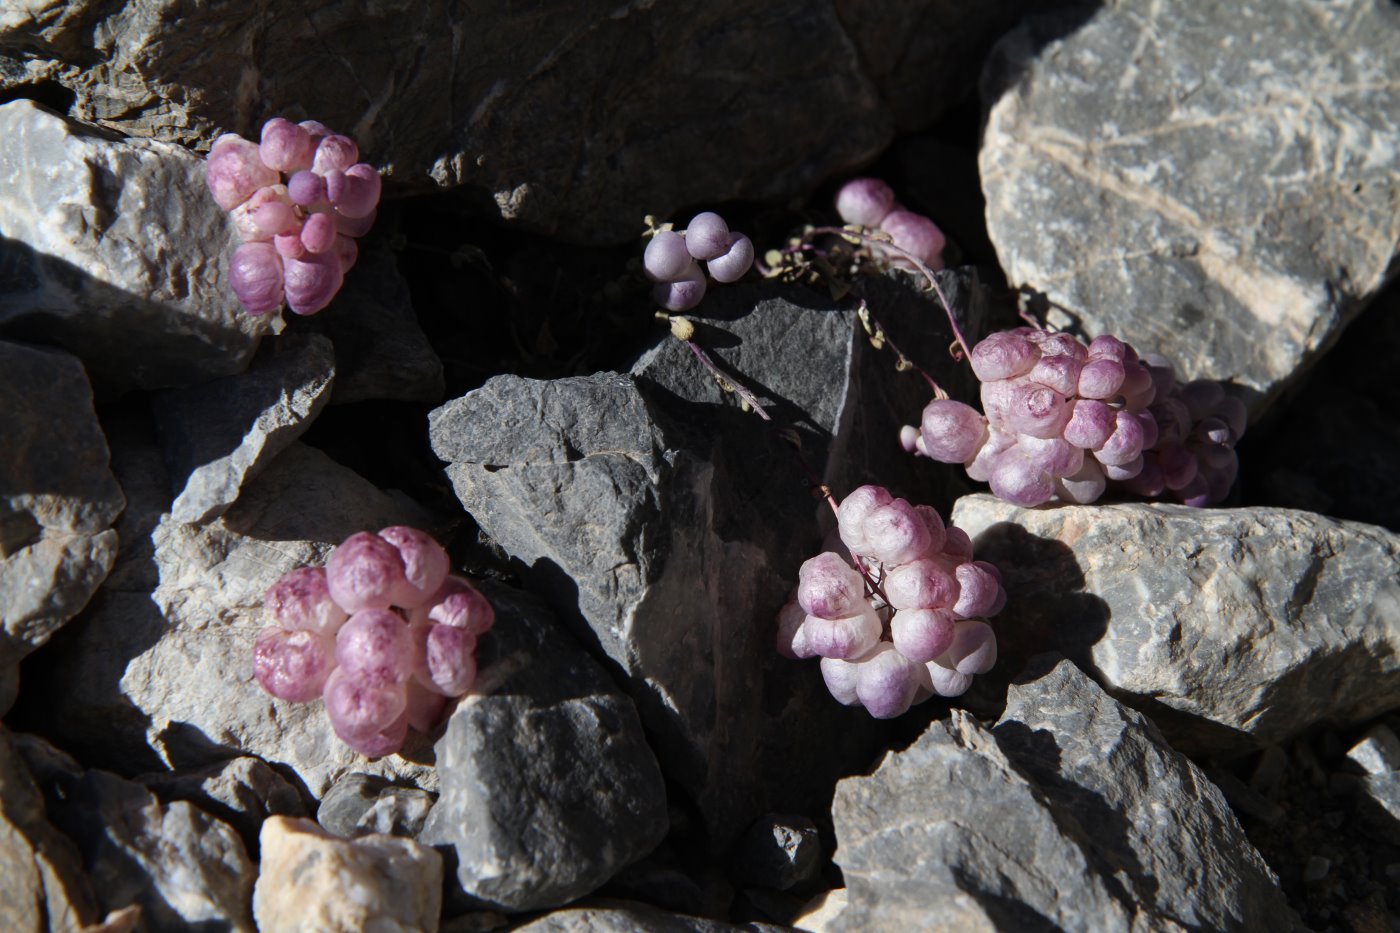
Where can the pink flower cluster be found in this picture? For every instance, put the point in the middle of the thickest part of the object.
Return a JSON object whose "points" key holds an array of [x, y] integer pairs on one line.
{"points": [[298, 231], [910, 625], [382, 633], [870, 203]]}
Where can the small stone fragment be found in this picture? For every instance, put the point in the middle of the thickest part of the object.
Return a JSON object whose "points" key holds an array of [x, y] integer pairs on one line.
{"points": [[1378, 752], [311, 880], [779, 852]]}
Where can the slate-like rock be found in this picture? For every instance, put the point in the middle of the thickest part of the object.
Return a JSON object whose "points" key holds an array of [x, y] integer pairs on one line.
{"points": [[41, 872], [655, 105], [779, 852], [674, 523], [548, 786], [216, 436], [1071, 813], [311, 880], [1214, 182], [58, 497], [1234, 629], [625, 917], [114, 249], [243, 793], [360, 804], [380, 351], [1378, 754], [181, 866], [163, 679]]}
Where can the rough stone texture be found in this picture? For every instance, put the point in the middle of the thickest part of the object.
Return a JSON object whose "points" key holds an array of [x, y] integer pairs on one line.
{"points": [[1071, 813], [311, 880], [661, 105], [674, 523], [779, 852], [57, 501], [625, 917], [182, 867], [163, 679], [1215, 182], [548, 786], [359, 804], [41, 873], [114, 249], [243, 793], [1378, 754], [1233, 629], [380, 351], [217, 436]]}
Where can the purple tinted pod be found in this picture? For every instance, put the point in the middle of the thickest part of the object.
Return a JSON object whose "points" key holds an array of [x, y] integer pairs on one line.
{"points": [[850, 516], [737, 260], [285, 146], [707, 236], [301, 599], [364, 572], [425, 564], [830, 588], [234, 171], [916, 235], [681, 294], [952, 431], [312, 281], [864, 201], [378, 643], [359, 705], [256, 275], [335, 153], [292, 665], [1003, 355], [922, 634]]}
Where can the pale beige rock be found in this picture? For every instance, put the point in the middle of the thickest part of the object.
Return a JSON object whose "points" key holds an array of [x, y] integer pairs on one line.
{"points": [[312, 880]]}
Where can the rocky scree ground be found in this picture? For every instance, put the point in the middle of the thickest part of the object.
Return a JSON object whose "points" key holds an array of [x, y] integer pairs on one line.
{"points": [[1194, 719]]}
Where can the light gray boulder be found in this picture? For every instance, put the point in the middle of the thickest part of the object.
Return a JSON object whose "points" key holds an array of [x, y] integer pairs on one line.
{"points": [[1071, 813], [1214, 182], [242, 792], [115, 250], [1232, 628]]}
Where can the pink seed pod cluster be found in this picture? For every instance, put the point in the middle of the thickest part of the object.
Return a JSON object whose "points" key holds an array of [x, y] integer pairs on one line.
{"points": [[298, 199], [1062, 419], [382, 633], [672, 260], [919, 632], [870, 203]]}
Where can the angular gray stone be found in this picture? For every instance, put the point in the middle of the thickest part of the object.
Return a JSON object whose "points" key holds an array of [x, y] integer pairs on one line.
{"points": [[41, 873], [216, 436], [548, 786], [627, 917], [58, 497], [114, 249], [243, 793], [1072, 813], [1378, 754], [779, 852], [380, 351], [1234, 629], [666, 105], [163, 679], [674, 523], [181, 866], [1378, 751], [1215, 182], [360, 804]]}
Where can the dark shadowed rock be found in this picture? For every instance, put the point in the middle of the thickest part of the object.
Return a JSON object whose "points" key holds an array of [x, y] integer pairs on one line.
{"points": [[674, 523], [114, 249], [779, 852], [243, 793], [548, 787], [1072, 813], [1233, 629], [651, 106], [360, 804], [58, 498], [1214, 182], [218, 435]]}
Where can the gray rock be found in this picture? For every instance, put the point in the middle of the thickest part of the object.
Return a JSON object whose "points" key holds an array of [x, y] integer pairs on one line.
{"points": [[41, 873], [114, 249], [674, 523], [183, 867], [380, 351], [1378, 751], [779, 852], [1234, 629], [1214, 182], [548, 786], [162, 679], [243, 792], [1072, 813], [359, 804], [216, 436], [1378, 754], [684, 104], [627, 917], [58, 498]]}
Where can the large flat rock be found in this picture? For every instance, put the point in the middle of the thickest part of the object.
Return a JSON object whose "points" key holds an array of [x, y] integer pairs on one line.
{"points": [[1214, 181]]}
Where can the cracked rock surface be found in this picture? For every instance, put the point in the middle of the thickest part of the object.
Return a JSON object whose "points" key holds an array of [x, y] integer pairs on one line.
{"points": [[1214, 182], [1232, 628]]}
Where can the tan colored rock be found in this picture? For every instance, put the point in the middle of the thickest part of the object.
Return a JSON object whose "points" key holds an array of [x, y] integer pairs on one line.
{"points": [[311, 880]]}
